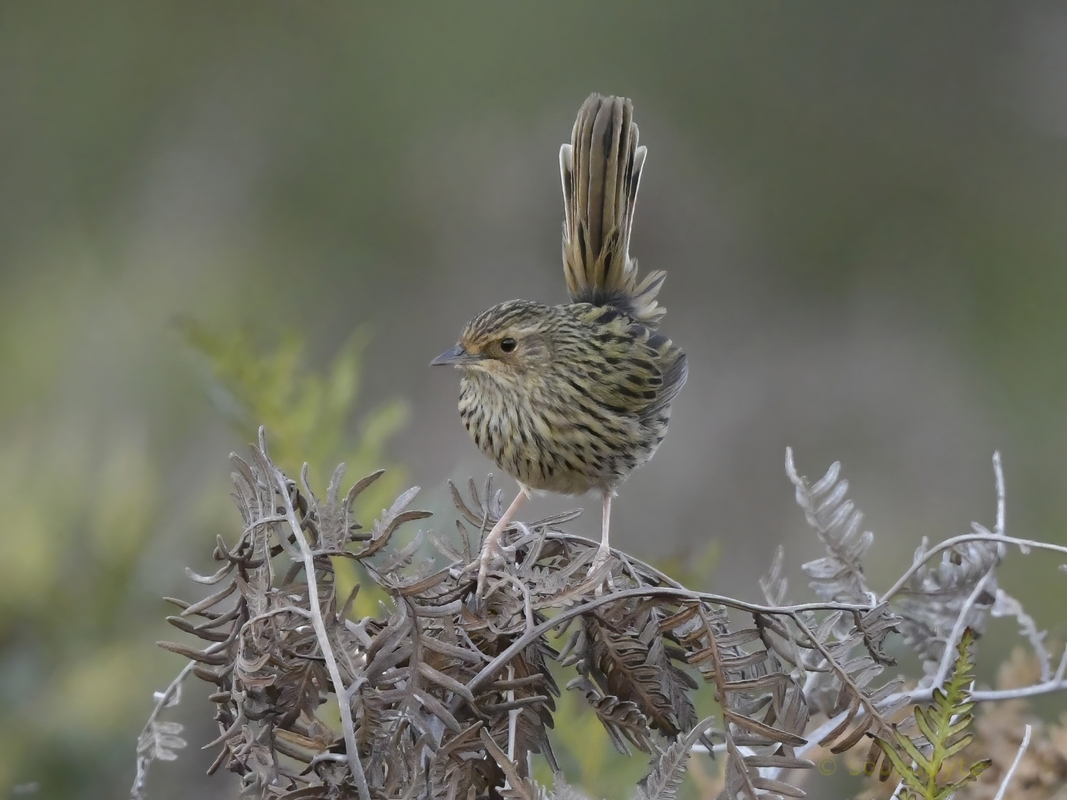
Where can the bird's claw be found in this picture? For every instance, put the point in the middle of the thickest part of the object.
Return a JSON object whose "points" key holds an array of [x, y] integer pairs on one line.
{"points": [[599, 561], [494, 551], [600, 570]]}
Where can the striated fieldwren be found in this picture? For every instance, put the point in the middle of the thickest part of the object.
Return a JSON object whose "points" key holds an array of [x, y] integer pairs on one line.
{"points": [[575, 397]]}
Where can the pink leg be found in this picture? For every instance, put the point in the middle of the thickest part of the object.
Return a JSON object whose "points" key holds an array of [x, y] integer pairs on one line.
{"points": [[491, 548], [605, 549]]}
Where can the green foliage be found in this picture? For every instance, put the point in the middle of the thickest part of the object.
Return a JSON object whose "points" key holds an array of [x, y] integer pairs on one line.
{"points": [[308, 415], [944, 724], [69, 635]]}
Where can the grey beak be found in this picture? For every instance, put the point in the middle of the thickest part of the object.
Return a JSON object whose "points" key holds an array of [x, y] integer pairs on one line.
{"points": [[455, 357]]}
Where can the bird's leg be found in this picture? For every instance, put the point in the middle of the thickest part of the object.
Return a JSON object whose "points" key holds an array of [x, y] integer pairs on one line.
{"points": [[491, 547], [605, 522]]}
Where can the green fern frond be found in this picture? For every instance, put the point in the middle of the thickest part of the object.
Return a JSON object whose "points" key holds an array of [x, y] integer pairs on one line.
{"points": [[307, 414], [944, 725]]}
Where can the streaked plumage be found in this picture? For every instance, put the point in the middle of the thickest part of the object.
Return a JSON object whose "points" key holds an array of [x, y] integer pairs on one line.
{"points": [[582, 401], [575, 397]]}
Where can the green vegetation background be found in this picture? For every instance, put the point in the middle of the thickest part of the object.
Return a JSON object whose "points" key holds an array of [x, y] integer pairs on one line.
{"points": [[217, 215]]}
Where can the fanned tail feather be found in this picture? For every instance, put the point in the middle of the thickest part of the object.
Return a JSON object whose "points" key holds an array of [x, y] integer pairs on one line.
{"points": [[601, 172]]}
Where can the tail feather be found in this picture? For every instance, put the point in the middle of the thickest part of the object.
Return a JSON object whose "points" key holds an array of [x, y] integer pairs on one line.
{"points": [[601, 171]]}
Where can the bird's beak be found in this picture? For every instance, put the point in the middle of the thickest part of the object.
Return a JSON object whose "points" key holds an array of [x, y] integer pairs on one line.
{"points": [[455, 357]]}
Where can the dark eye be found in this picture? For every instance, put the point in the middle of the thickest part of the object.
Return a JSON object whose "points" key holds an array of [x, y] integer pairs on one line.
{"points": [[508, 345]]}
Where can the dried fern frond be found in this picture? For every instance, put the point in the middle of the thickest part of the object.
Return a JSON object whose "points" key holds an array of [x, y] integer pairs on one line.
{"points": [[959, 589], [836, 521], [936, 599], [445, 693], [668, 768]]}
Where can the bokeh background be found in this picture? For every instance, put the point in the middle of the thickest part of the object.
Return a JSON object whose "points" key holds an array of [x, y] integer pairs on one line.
{"points": [[862, 208]]}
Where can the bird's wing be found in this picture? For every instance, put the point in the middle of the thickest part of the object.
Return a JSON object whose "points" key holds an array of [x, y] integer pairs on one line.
{"points": [[636, 371]]}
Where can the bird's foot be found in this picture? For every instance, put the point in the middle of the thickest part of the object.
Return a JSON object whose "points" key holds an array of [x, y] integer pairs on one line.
{"points": [[494, 552], [599, 574], [600, 562]]}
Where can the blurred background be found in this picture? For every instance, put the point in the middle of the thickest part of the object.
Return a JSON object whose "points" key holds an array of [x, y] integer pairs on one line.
{"points": [[862, 209]]}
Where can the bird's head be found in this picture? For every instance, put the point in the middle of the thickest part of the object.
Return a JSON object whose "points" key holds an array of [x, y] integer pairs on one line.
{"points": [[506, 342]]}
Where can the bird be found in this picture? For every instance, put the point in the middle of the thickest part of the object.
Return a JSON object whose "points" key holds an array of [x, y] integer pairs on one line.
{"points": [[573, 398]]}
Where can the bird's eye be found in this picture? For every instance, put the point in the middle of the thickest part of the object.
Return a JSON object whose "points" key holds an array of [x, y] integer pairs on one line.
{"points": [[508, 345]]}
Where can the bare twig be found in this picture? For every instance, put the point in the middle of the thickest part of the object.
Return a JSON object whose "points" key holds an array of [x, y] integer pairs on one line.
{"points": [[980, 536], [1014, 764]]}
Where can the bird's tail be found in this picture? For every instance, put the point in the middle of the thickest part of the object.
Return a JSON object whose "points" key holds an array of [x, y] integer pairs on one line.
{"points": [[601, 170]]}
